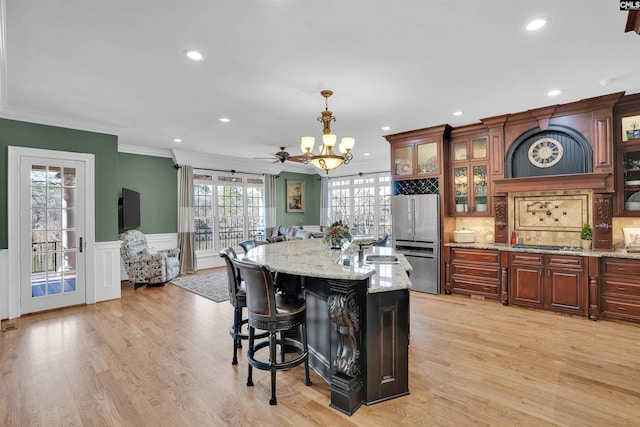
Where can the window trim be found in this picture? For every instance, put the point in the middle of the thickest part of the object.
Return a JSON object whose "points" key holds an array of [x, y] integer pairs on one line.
{"points": [[244, 183]]}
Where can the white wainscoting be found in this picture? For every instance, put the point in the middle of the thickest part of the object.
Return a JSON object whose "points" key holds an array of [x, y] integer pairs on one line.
{"points": [[107, 271], [212, 259], [157, 241], [4, 284]]}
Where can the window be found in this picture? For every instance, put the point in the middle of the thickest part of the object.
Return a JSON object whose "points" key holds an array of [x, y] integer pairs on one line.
{"points": [[363, 202], [227, 209]]}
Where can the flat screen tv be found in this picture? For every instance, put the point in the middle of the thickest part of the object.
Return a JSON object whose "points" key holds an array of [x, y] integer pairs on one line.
{"points": [[130, 209]]}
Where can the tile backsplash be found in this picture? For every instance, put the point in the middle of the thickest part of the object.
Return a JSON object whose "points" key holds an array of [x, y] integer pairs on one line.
{"points": [[550, 218], [562, 219]]}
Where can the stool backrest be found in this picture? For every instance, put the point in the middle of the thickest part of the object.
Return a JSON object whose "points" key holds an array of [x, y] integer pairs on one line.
{"points": [[233, 274], [261, 296]]}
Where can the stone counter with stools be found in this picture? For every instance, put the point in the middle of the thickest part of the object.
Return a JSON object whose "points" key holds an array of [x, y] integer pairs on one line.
{"points": [[357, 319]]}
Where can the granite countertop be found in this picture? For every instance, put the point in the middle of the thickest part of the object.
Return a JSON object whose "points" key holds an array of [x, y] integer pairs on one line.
{"points": [[312, 258], [577, 252]]}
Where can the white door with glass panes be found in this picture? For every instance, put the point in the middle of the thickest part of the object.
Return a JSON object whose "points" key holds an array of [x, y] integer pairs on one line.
{"points": [[52, 256]]}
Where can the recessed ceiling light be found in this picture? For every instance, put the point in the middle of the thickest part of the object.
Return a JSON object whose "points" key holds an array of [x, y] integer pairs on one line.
{"points": [[457, 113], [177, 140], [194, 55], [386, 128], [366, 154], [554, 92], [224, 119], [536, 24]]}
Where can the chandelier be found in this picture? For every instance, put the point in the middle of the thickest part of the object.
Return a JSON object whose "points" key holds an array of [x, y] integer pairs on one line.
{"points": [[326, 159]]}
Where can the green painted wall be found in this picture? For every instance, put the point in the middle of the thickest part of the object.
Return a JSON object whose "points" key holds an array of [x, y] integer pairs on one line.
{"points": [[312, 187], [105, 149], [156, 179]]}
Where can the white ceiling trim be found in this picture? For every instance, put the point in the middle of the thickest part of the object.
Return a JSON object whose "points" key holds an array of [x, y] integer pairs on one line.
{"points": [[145, 151], [44, 119]]}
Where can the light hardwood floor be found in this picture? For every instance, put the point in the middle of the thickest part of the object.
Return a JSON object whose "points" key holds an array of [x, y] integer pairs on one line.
{"points": [[161, 357]]}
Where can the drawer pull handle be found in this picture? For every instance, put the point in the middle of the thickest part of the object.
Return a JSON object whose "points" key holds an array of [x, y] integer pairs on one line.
{"points": [[486, 273], [486, 289], [462, 270], [487, 258], [621, 309], [621, 269], [462, 286], [622, 289]]}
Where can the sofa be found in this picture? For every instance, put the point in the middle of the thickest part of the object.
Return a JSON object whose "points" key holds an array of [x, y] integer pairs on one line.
{"points": [[292, 232]]}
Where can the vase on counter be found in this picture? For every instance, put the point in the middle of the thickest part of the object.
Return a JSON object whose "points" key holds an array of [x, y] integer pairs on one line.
{"points": [[586, 244], [335, 234]]}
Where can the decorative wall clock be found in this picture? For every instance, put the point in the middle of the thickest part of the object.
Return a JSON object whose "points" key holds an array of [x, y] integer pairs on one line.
{"points": [[545, 152]]}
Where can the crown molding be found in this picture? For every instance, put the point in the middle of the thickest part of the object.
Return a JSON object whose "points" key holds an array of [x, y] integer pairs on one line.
{"points": [[45, 119], [145, 151]]}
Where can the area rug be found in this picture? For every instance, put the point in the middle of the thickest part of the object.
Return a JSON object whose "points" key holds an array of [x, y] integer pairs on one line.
{"points": [[213, 286]]}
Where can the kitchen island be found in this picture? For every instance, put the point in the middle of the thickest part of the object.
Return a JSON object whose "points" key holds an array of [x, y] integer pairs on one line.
{"points": [[357, 318]]}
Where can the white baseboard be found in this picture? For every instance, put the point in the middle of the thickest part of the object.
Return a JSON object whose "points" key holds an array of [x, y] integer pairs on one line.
{"points": [[4, 284], [209, 260]]}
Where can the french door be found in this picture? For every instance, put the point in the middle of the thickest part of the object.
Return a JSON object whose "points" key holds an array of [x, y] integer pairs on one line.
{"points": [[52, 224]]}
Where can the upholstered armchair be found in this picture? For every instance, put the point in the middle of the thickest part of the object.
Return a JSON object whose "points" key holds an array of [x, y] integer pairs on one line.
{"points": [[145, 265]]}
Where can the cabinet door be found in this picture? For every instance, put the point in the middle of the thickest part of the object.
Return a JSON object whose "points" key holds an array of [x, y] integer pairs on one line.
{"points": [[479, 148], [461, 188], [566, 290], [427, 158], [526, 286], [460, 150], [631, 181], [403, 161], [480, 188]]}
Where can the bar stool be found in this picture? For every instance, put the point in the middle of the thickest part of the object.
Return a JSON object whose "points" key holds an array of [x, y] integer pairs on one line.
{"points": [[274, 313], [238, 299]]}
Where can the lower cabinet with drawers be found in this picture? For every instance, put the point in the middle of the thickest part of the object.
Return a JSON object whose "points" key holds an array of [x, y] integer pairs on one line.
{"points": [[551, 282], [620, 289], [596, 287], [475, 272]]}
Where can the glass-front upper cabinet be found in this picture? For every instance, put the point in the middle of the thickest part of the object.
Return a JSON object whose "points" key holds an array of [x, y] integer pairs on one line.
{"points": [[627, 137], [461, 185], [428, 158], [471, 189], [415, 159], [403, 161], [469, 153], [480, 188], [470, 149], [631, 180]]}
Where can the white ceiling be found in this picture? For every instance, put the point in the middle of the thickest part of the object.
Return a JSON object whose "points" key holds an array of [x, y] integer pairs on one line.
{"points": [[118, 67]]}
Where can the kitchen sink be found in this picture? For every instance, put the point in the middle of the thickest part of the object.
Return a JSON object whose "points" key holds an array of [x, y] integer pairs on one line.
{"points": [[380, 259]]}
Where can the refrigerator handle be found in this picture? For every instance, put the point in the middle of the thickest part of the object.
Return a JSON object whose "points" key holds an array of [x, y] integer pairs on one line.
{"points": [[413, 218]]}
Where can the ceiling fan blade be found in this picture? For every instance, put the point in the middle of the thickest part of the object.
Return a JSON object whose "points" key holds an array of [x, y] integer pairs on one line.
{"points": [[298, 159]]}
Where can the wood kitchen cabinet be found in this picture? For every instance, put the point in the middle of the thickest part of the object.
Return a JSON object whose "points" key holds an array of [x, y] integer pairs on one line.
{"points": [[475, 272], [470, 171], [621, 289], [551, 282], [627, 140], [418, 153]]}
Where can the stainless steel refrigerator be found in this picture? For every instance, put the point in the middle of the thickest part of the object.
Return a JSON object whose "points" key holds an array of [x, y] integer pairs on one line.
{"points": [[416, 235]]}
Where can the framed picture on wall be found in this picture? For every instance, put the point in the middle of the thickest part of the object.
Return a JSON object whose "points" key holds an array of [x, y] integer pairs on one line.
{"points": [[295, 196]]}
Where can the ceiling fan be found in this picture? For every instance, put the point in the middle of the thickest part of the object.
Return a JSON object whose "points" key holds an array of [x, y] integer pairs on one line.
{"points": [[282, 155]]}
